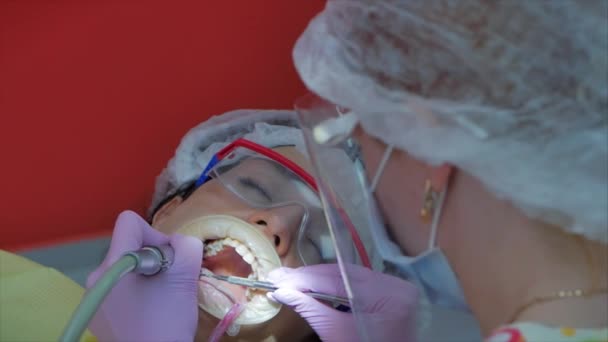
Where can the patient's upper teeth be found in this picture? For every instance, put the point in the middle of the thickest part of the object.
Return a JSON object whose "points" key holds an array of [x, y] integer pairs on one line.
{"points": [[249, 258], [231, 242], [216, 246], [242, 249]]}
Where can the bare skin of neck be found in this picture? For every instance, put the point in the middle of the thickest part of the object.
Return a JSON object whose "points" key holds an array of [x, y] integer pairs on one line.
{"points": [[504, 260]]}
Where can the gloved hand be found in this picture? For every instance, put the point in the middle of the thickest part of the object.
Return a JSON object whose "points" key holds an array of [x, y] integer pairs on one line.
{"points": [[388, 303], [158, 308]]}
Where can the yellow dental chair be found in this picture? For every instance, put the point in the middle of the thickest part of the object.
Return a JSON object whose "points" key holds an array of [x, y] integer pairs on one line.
{"points": [[36, 301]]}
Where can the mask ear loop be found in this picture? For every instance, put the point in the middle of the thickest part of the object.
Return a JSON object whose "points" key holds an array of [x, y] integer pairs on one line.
{"points": [[436, 219], [446, 172], [381, 166]]}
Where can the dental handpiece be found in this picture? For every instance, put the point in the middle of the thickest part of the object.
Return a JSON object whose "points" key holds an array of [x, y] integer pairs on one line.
{"points": [[152, 260], [148, 261]]}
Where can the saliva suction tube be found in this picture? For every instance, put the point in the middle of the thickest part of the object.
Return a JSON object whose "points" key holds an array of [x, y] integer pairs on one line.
{"points": [[147, 261]]}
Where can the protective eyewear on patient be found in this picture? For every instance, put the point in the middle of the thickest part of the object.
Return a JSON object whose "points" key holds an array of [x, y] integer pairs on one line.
{"points": [[263, 178], [269, 153]]}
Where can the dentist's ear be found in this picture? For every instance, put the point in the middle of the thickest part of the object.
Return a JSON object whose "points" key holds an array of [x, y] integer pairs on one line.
{"points": [[167, 209]]}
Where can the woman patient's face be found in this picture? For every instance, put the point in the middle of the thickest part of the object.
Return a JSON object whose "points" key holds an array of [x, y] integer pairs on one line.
{"points": [[279, 225]]}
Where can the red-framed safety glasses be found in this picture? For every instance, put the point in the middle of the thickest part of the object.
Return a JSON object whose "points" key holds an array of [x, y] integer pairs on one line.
{"points": [[294, 168]]}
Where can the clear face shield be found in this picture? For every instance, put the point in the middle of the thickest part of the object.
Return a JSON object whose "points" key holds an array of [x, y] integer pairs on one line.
{"points": [[344, 190]]}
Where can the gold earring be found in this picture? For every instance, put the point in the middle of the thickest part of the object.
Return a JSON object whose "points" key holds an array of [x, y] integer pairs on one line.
{"points": [[430, 201]]}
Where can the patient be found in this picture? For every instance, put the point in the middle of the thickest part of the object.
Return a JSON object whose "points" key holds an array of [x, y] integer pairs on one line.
{"points": [[253, 213]]}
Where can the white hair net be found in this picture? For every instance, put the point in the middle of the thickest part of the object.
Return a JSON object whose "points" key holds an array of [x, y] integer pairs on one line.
{"points": [[512, 92], [271, 128]]}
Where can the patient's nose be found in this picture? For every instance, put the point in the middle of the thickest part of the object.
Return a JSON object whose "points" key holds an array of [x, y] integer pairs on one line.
{"points": [[280, 225]]}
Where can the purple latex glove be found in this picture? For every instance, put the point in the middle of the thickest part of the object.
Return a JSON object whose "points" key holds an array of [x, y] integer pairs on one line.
{"points": [[389, 303], [158, 308]]}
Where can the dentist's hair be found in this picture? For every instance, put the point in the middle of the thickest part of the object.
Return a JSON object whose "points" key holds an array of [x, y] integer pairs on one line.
{"points": [[513, 92]]}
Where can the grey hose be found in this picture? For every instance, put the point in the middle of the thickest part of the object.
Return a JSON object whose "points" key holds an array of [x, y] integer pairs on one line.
{"points": [[95, 296], [147, 261]]}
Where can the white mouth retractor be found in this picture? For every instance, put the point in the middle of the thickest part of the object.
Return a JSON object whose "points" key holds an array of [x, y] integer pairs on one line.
{"points": [[254, 248]]}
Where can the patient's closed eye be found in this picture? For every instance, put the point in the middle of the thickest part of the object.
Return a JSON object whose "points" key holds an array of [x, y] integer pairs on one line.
{"points": [[252, 184]]}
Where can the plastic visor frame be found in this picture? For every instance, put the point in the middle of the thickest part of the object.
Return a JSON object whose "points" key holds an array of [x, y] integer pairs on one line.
{"points": [[306, 177]]}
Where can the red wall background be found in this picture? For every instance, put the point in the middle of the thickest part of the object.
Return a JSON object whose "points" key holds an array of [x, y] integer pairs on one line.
{"points": [[95, 95]]}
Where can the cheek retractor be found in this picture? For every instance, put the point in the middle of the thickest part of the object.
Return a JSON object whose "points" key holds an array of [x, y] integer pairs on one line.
{"points": [[223, 235]]}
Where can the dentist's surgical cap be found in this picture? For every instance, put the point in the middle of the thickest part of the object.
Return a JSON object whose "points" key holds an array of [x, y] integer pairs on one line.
{"points": [[513, 92], [270, 128]]}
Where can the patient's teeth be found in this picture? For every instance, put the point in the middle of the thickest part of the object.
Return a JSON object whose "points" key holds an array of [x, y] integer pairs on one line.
{"points": [[249, 258], [242, 250], [256, 249]]}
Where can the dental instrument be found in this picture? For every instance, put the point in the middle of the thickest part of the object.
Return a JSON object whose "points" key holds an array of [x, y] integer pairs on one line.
{"points": [[147, 261], [268, 286]]}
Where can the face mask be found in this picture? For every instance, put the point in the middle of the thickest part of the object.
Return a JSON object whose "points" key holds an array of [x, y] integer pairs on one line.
{"points": [[430, 270], [434, 275]]}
